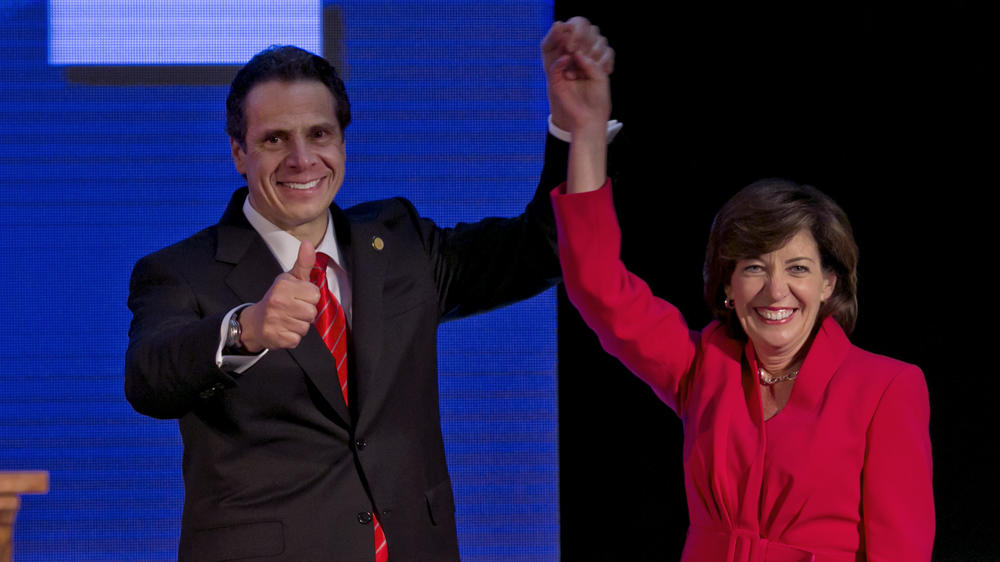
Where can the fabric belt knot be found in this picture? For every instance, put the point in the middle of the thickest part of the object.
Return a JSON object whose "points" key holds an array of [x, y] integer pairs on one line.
{"points": [[744, 545], [747, 546]]}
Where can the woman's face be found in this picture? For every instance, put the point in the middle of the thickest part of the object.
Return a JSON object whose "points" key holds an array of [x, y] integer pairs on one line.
{"points": [[777, 296]]}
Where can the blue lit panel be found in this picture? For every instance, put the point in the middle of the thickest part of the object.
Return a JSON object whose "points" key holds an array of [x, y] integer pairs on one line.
{"points": [[449, 111], [173, 32]]}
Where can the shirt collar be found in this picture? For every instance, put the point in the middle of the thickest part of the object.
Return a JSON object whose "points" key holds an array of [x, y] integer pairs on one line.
{"points": [[283, 245]]}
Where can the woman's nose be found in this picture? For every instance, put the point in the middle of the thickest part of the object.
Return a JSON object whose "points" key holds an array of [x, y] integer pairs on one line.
{"points": [[777, 287]]}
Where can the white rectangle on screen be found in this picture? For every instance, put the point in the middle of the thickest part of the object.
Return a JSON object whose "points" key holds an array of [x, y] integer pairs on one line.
{"points": [[177, 32]]}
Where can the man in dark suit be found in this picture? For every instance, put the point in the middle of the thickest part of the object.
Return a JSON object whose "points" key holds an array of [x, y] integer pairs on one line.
{"points": [[288, 453]]}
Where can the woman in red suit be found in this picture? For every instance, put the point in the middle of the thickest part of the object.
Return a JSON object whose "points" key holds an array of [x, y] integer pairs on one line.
{"points": [[798, 446]]}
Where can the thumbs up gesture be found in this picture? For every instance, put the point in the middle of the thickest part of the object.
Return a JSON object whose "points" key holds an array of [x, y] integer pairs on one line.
{"points": [[282, 317], [304, 263]]}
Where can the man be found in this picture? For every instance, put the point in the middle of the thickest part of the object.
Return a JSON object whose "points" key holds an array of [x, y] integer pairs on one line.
{"points": [[295, 341]]}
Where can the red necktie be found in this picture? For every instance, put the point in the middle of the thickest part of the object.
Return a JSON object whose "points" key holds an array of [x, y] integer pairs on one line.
{"points": [[330, 320], [332, 326]]}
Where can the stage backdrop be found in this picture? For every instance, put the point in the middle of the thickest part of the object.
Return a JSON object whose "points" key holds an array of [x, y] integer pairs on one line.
{"points": [[113, 146]]}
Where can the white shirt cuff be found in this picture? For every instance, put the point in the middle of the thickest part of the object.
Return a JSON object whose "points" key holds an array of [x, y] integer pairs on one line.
{"points": [[613, 127], [233, 363]]}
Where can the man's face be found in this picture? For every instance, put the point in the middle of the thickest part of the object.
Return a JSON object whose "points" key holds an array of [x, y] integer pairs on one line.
{"points": [[294, 155]]}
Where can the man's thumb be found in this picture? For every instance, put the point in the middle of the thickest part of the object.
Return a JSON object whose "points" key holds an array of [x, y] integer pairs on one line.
{"points": [[304, 263]]}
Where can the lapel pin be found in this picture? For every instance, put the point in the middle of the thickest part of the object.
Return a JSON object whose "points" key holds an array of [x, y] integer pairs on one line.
{"points": [[378, 243]]}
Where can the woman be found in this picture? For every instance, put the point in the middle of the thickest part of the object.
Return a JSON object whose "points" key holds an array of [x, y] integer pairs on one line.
{"points": [[798, 446]]}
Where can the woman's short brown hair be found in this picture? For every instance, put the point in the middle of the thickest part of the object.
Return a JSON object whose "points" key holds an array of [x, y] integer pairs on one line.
{"points": [[760, 219]]}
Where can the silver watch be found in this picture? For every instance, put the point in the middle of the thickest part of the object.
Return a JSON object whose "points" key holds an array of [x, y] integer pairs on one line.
{"points": [[234, 332]]}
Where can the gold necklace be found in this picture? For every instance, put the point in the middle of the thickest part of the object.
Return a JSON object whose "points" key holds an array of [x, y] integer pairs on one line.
{"points": [[768, 379]]}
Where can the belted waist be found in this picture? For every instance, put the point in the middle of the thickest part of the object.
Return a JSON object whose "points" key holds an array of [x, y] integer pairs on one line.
{"points": [[741, 545]]}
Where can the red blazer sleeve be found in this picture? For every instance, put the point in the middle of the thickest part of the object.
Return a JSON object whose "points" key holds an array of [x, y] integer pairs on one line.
{"points": [[646, 333], [897, 500]]}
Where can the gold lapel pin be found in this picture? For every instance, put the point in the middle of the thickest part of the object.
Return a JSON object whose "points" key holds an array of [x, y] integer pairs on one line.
{"points": [[378, 243]]}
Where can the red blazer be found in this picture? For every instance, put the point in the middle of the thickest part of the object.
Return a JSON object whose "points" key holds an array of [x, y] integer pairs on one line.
{"points": [[842, 473]]}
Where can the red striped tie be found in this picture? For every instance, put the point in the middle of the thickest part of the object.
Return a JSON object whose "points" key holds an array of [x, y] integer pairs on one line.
{"points": [[332, 326], [330, 320]]}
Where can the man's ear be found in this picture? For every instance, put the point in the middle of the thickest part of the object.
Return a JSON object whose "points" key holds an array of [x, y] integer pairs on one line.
{"points": [[239, 156]]}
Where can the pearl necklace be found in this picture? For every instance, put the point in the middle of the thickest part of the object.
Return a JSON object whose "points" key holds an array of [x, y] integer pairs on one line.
{"points": [[768, 379]]}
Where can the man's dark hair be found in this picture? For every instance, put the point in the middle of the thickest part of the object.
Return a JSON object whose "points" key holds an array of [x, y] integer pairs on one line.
{"points": [[285, 63]]}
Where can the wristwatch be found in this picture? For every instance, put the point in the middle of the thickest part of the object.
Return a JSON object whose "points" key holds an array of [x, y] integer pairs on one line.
{"points": [[234, 332]]}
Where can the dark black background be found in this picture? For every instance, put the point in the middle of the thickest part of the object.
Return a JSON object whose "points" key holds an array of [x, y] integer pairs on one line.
{"points": [[884, 107]]}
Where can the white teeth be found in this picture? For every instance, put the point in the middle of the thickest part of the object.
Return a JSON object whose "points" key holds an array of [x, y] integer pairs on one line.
{"points": [[775, 314], [306, 185]]}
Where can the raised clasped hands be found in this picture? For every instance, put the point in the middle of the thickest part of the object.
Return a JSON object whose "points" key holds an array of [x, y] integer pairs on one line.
{"points": [[283, 316], [578, 61]]}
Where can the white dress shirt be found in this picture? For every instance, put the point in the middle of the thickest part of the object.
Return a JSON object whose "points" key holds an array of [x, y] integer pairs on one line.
{"points": [[285, 249]]}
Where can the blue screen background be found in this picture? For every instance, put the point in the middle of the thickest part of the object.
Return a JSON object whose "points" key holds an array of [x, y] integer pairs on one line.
{"points": [[449, 111]]}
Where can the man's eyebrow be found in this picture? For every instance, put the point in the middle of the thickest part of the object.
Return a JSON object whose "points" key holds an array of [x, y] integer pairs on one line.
{"points": [[272, 133]]}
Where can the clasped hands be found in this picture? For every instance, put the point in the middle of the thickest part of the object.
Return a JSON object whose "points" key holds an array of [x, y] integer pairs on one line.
{"points": [[578, 61]]}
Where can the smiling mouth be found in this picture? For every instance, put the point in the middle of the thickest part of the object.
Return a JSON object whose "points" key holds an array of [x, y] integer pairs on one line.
{"points": [[775, 315], [301, 186]]}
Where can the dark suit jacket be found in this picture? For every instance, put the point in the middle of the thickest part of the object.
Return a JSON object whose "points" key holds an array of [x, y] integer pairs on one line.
{"points": [[275, 465]]}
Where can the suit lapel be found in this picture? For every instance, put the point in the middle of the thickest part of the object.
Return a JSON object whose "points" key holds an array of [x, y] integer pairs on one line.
{"points": [[366, 246], [254, 270], [825, 356], [315, 359], [803, 422]]}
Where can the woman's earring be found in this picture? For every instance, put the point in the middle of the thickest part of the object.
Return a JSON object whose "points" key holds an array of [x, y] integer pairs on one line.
{"points": [[730, 304]]}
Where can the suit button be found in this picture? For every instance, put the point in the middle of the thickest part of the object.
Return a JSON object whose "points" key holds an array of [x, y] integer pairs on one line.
{"points": [[361, 444], [364, 517]]}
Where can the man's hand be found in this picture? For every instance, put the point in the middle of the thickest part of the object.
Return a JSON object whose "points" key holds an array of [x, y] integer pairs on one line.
{"points": [[284, 315], [577, 62]]}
